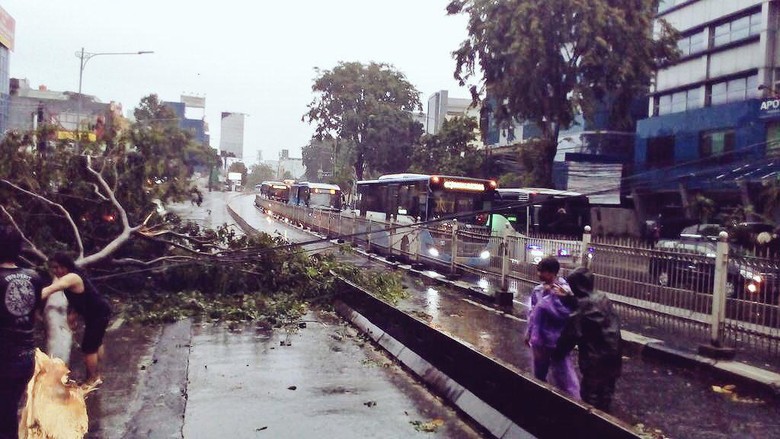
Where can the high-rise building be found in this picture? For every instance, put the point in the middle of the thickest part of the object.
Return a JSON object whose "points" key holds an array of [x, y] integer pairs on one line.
{"points": [[190, 112], [713, 124], [231, 138], [442, 107], [7, 31]]}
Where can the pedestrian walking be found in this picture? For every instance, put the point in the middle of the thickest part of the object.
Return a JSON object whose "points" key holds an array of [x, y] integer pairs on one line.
{"points": [[84, 300], [594, 328], [547, 319], [20, 295]]}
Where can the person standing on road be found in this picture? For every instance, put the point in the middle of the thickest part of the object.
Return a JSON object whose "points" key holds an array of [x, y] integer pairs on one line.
{"points": [[594, 328], [84, 300], [20, 296], [546, 320]]}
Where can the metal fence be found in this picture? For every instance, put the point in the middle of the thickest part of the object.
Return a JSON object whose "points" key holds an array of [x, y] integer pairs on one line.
{"points": [[678, 287]]}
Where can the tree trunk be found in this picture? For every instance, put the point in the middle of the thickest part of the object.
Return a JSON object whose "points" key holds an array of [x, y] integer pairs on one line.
{"points": [[59, 337]]}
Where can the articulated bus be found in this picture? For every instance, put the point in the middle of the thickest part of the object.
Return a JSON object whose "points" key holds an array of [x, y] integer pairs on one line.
{"points": [[275, 190], [534, 211], [315, 195], [404, 199], [537, 212]]}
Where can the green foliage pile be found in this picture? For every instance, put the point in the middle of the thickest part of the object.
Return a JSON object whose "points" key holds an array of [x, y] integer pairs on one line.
{"points": [[260, 278]]}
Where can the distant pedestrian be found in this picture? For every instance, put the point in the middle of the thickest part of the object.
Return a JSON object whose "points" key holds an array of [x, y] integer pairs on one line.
{"points": [[85, 300], [547, 318], [594, 328], [20, 295]]}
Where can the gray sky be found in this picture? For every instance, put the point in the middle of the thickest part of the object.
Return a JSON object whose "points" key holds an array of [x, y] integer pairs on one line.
{"points": [[249, 57]]}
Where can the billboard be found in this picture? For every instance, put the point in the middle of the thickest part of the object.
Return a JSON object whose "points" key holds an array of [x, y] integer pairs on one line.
{"points": [[7, 29], [193, 101], [599, 181], [234, 176]]}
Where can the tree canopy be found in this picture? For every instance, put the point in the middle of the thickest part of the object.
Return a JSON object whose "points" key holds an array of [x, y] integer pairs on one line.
{"points": [[451, 151], [546, 61], [370, 107]]}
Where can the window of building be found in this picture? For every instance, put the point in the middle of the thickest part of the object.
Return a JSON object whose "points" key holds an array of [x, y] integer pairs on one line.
{"points": [[718, 145], [773, 138], [734, 90], [692, 44], [679, 101], [660, 151], [737, 29]]}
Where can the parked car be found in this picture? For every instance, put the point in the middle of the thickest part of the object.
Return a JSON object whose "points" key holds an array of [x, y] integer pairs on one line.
{"points": [[690, 264]]}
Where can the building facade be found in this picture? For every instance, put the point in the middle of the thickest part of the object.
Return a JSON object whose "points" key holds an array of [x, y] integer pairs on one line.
{"points": [[713, 125], [231, 138], [442, 107], [29, 108], [195, 124], [7, 33]]}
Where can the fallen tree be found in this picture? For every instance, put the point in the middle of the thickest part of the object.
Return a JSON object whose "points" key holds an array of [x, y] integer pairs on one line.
{"points": [[107, 206]]}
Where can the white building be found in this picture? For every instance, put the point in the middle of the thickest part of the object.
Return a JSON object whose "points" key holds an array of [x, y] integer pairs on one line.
{"points": [[442, 107], [231, 138]]}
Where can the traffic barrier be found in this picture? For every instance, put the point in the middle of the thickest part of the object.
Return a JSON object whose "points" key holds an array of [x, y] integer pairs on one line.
{"points": [[499, 398]]}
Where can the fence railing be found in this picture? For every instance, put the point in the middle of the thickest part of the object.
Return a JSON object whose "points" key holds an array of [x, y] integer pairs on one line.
{"points": [[699, 289]]}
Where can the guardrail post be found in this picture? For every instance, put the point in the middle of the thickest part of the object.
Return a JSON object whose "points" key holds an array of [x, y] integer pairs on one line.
{"points": [[454, 249], [368, 236], [353, 227], [503, 297], [504, 252], [585, 252], [417, 245], [390, 237], [716, 349]]}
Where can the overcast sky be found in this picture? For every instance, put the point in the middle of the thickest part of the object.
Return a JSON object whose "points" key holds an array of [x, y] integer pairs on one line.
{"points": [[252, 57]]}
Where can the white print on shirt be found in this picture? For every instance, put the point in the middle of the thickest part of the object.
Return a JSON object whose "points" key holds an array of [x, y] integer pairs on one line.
{"points": [[19, 297]]}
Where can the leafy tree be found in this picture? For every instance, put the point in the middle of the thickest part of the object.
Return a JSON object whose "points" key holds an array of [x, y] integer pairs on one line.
{"points": [[370, 107], [451, 151], [260, 173], [546, 61], [318, 156]]}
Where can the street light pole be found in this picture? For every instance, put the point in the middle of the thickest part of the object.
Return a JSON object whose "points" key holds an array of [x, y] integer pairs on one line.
{"points": [[84, 57]]}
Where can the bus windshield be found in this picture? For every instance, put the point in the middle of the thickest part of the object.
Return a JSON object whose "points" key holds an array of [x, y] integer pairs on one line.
{"points": [[455, 204], [328, 198]]}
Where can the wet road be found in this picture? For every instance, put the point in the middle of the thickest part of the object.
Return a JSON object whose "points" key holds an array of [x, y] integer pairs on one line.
{"points": [[320, 379], [679, 402]]}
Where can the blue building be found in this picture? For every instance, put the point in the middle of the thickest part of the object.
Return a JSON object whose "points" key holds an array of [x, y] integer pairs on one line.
{"points": [[197, 127], [714, 120]]}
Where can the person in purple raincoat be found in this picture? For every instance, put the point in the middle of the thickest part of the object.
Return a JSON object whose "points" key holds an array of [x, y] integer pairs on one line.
{"points": [[547, 318]]}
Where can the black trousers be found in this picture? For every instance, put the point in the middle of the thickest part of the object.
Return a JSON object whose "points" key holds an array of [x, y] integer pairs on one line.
{"points": [[15, 372]]}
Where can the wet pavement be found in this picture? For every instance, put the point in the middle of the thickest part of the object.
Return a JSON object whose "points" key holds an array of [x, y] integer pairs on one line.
{"points": [[675, 400], [320, 378]]}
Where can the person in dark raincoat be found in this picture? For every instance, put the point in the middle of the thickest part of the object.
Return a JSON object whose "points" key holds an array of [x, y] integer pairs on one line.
{"points": [[594, 328]]}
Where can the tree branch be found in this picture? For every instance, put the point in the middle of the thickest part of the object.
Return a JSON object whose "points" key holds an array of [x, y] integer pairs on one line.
{"points": [[127, 230], [62, 209], [132, 261]]}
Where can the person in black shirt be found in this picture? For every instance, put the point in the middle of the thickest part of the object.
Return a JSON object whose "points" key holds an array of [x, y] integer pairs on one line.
{"points": [[85, 300], [20, 296]]}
